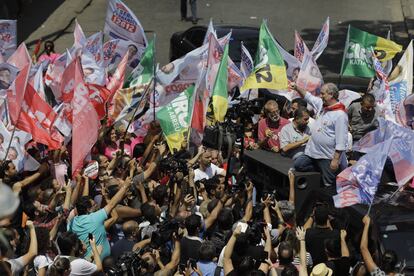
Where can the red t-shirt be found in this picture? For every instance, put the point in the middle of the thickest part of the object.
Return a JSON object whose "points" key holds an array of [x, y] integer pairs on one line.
{"points": [[275, 128]]}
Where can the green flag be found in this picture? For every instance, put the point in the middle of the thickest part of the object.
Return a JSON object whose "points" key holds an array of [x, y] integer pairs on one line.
{"points": [[220, 93], [175, 118], [269, 70], [143, 73], [357, 59]]}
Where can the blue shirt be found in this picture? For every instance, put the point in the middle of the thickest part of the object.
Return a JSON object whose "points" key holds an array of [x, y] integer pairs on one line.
{"points": [[92, 223], [207, 268]]}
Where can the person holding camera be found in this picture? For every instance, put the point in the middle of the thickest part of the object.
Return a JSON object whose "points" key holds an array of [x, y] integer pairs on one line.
{"points": [[269, 127]]}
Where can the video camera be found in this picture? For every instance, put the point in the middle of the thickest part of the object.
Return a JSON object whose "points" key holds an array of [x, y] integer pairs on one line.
{"points": [[129, 263], [164, 233]]}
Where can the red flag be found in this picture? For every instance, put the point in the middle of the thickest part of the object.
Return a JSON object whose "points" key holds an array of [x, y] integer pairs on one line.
{"points": [[98, 95], [36, 118], [85, 121], [117, 79], [20, 58], [15, 93], [67, 84]]}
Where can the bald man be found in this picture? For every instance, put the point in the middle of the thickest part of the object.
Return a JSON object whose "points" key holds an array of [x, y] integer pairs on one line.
{"points": [[130, 229]]}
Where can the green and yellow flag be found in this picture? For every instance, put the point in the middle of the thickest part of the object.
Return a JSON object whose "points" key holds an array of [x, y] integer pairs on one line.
{"points": [[269, 70], [357, 59], [220, 94], [175, 118]]}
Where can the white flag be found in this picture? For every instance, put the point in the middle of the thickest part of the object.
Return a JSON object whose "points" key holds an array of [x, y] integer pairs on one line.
{"points": [[401, 83], [8, 38], [322, 40], [122, 23]]}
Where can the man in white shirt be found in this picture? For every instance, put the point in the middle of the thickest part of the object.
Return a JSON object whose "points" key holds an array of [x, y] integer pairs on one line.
{"points": [[324, 150], [207, 170]]}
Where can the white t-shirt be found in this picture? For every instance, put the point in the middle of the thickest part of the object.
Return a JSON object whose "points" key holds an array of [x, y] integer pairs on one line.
{"points": [[81, 267], [41, 261], [208, 173]]}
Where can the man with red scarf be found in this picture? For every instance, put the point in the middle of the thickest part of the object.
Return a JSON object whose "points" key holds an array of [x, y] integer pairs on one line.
{"points": [[325, 149]]}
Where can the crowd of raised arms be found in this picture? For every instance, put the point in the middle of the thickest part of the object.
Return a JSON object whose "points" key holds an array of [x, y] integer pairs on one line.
{"points": [[150, 212]]}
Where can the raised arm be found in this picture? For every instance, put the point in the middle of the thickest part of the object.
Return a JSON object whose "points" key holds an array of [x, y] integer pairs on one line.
{"points": [[32, 252], [118, 196], [228, 251], [344, 246], [366, 255], [300, 234]]}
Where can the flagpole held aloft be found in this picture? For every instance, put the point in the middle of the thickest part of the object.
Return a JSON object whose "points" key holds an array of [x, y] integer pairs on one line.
{"points": [[154, 78]]}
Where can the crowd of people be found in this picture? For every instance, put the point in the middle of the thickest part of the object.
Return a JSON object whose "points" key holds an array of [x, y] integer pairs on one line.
{"points": [[151, 212]]}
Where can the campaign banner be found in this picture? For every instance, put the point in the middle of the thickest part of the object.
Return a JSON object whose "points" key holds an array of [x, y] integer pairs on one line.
{"points": [[322, 40], [122, 23], [300, 47], [401, 79], [94, 46], [309, 78], [8, 38]]}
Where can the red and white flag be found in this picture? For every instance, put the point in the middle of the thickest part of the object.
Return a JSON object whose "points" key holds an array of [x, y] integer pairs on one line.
{"points": [[36, 118], [85, 122], [15, 93], [99, 95], [20, 58]]}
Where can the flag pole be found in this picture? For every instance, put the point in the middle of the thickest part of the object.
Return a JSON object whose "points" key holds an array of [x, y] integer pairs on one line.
{"points": [[369, 208], [10, 142], [153, 78]]}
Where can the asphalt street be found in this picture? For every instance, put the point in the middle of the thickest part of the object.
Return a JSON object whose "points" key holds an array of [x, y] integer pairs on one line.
{"points": [[163, 18]]}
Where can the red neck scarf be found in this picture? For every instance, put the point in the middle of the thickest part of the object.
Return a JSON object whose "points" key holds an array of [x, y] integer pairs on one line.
{"points": [[334, 107]]}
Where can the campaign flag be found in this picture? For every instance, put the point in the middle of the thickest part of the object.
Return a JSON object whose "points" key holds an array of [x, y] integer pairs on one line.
{"points": [[246, 68], [92, 71], [300, 47], [63, 121], [322, 40], [37, 82], [54, 72], [15, 93], [359, 47], [20, 58], [113, 51], [405, 112], [201, 102], [359, 183], [210, 31], [121, 23], [175, 119], [79, 36], [381, 91], [269, 70], [402, 157], [132, 100], [117, 79], [85, 120], [8, 38], [401, 84], [309, 78], [98, 95], [36, 118], [8, 74], [246, 62], [220, 93], [144, 72], [93, 45], [347, 97], [215, 53], [67, 84]]}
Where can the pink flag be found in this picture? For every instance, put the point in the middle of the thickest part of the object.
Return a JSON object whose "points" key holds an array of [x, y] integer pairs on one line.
{"points": [[67, 83], [20, 58], [15, 93], [85, 121]]}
